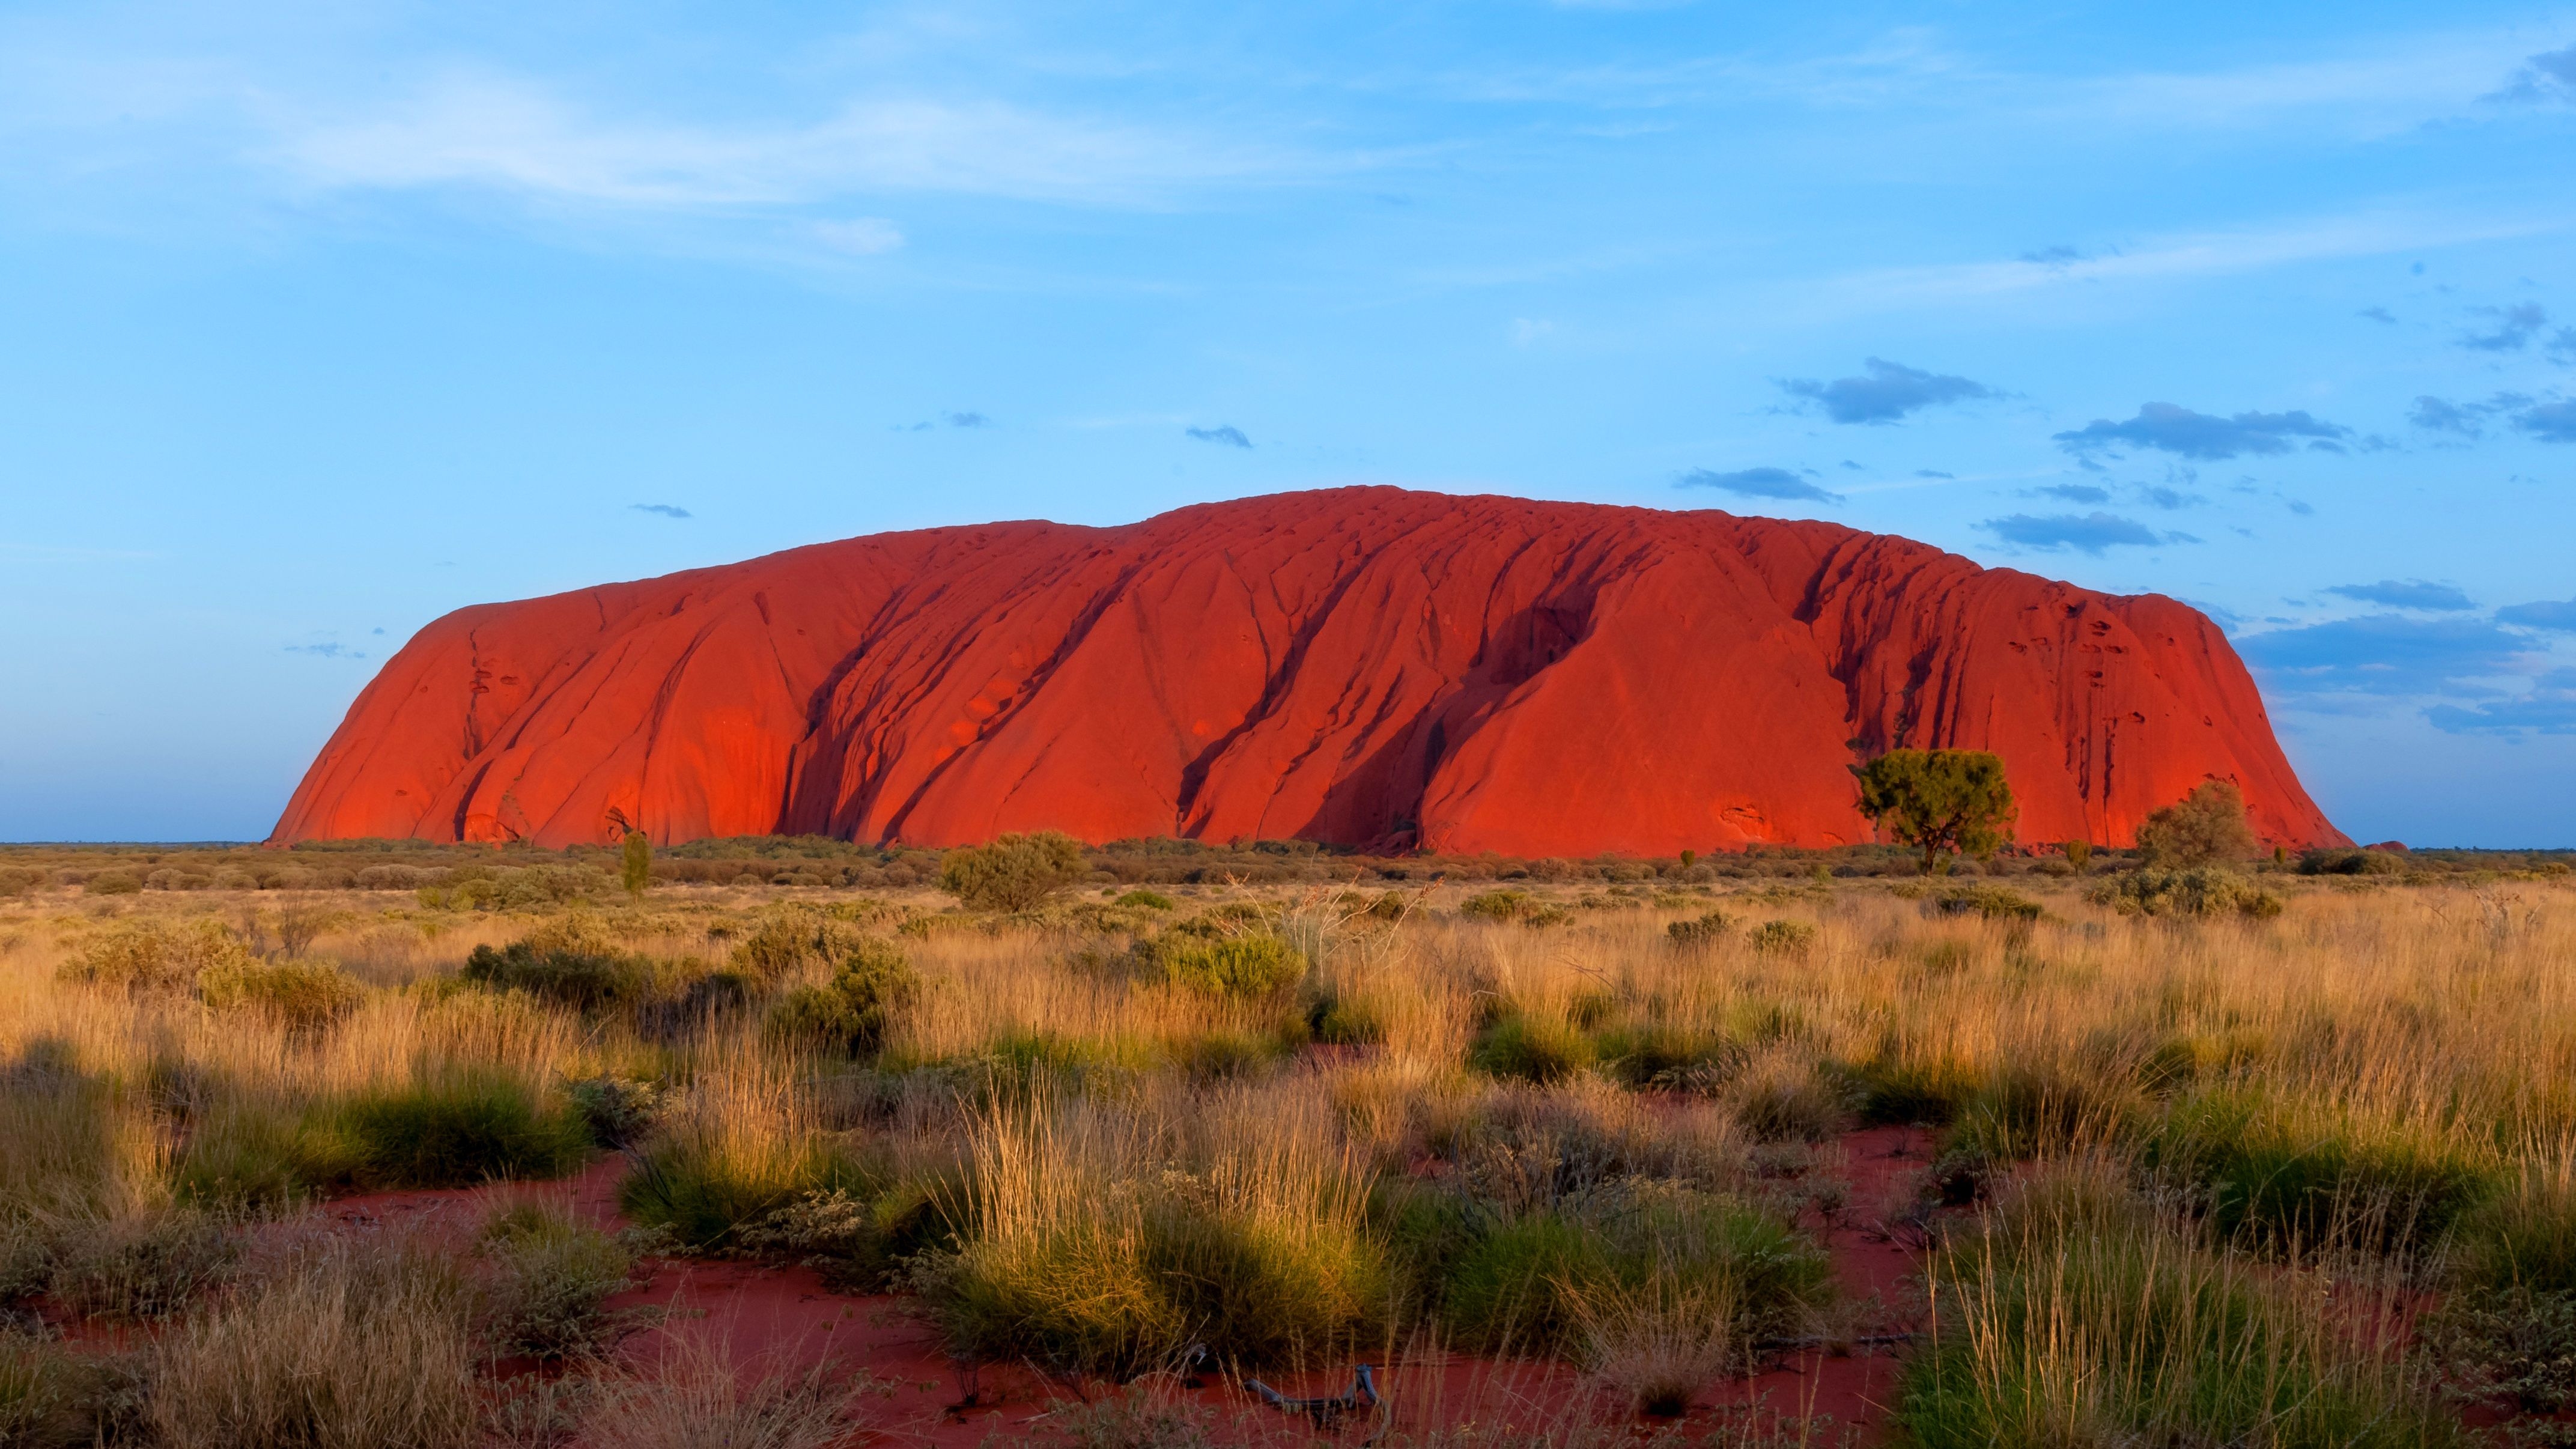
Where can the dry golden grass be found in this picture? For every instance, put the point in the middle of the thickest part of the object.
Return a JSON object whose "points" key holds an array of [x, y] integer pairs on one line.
{"points": [[1051, 1134]]}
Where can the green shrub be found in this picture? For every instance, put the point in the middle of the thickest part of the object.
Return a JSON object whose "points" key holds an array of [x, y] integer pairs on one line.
{"points": [[1348, 1019], [792, 937], [1514, 905], [2309, 1180], [2199, 891], [708, 1197], [304, 995], [1014, 873], [1995, 903], [1089, 1296], [1700, 930], [2516, 1345], [1668, 1057], [456, 1131], [156, 956], [1521, 1047], [2523, 1235], [1257, 964], [864, 1244], [19, 881], [1143, 900], [2330, 861], [2073, 1316], [1784, 938], [113, 883], [617, 1111], [148, 1266], [1523, 1285], [576, 974], [2206, 827], [848, 1014], [551, 1278], [55, 1397]]}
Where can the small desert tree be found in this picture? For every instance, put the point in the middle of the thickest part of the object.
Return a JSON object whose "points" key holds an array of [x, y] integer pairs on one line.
{"points": [[1014, 873], [1940, 800], [2205, 827], [636, 870]]}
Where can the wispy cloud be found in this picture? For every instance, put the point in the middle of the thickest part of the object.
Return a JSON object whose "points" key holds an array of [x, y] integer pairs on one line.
{"points": [[2406, 594], [2510, 329], [1758, 483], [2546, 614], [667, 510], [2086, 533], [325, 651], [2548, 76], [2549, 422], [1885, 392], [509, 133], [2384, 655], [2183, 255], [2185, 433], [1227, 435], [2549, 709]]}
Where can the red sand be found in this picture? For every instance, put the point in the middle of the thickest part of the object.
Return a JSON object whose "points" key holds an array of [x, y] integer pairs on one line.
{"points": [[1361, 666]]}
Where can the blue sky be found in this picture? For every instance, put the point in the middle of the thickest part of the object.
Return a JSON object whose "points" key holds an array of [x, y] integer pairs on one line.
{"points": [[326, 319]]}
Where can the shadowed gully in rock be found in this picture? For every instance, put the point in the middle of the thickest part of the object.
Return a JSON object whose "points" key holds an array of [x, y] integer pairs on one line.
{"points": [[1361, 666]]}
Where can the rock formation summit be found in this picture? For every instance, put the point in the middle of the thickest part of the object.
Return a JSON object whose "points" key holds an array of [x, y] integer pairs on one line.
{"points": [[1358, 666]]}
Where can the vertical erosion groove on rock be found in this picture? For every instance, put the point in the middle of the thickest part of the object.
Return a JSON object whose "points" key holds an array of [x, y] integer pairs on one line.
{"points": [[1362, 666]]}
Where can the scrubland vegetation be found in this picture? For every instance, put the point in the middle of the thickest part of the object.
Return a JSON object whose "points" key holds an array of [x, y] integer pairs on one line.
{"points": [[2280, 1153]]}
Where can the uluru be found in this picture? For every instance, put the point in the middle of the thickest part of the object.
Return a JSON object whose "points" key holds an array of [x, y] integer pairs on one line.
{"points": [[1367, 667]]}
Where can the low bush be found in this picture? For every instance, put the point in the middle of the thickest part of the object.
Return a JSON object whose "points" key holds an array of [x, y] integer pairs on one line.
{"points": [[1521, 1047], [55, 1397], [2330, 861], [1348, 1018], [1255, 964], [156, 956], [694, 1397], [1995, 903], [1547, 1280], [1784, 938], [1014, 873], [1089, 1249], [454, 1130], [1700, 930], [343, 1345], [300, 995], [1144, 900], [2198, 892], [113, 883], [2072, 1315], [2523, 1236], [551, 1277], [2307, 1180], [579, 974], [617, 1111], [147, 1266], [732, 1151], [793, 937], [1514, 905], [849, 1014], [2514, 1347]]}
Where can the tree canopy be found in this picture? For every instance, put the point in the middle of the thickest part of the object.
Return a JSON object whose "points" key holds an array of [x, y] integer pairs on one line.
{"points": [[2204, 827], [1956, 800]]}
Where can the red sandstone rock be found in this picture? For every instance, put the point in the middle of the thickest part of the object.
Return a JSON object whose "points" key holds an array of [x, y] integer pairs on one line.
{"points": [[1362, 666]]}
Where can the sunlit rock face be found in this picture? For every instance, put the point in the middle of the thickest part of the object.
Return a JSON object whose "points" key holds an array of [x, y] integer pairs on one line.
{"points": [[1361, 666]]}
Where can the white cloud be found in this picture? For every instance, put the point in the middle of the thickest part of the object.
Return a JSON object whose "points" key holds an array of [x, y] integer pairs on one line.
{"points": [[480, 129], [864, 236], [2187, 255]]}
